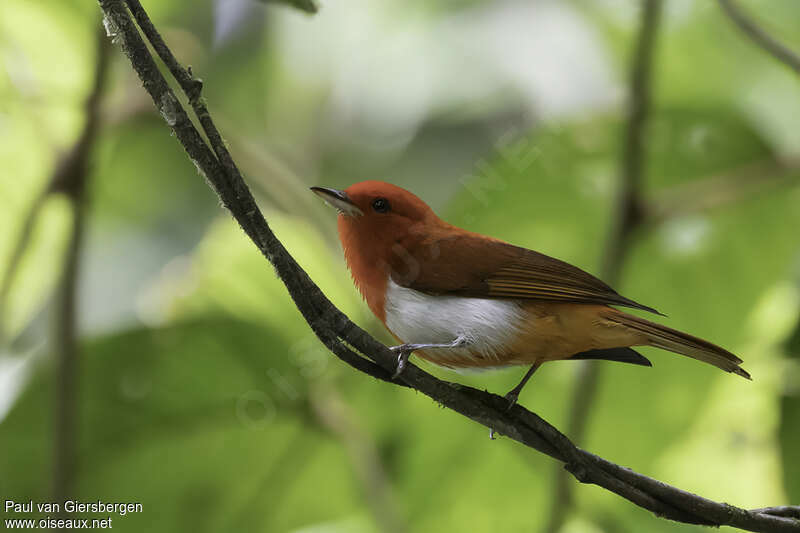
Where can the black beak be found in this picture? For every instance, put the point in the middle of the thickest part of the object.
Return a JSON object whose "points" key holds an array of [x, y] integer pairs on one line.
{"points": [[338, 199]]}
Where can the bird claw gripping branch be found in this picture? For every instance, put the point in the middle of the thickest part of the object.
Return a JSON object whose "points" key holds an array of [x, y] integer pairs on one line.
{"points": [[404, 351]]}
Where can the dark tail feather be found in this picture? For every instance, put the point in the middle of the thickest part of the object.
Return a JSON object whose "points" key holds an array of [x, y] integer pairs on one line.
{"points": [[682, 343], [622, 355]]}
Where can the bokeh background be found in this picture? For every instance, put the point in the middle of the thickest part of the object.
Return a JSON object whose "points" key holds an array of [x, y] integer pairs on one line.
{"points": [[200, 392]]}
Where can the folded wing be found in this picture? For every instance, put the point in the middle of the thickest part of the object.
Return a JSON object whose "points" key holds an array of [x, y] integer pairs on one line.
{"points": [[475, 266]]}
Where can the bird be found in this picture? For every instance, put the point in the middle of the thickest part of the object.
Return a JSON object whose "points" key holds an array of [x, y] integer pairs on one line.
{"points": [[463, 300]]}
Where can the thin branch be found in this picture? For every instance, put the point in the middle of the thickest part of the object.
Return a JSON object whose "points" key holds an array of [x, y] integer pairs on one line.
{"points": [[760, 37], [629, 218], [65, 350], [722, 190], [792, 511], [341, 336], [70, 178], [333, 413], [628, 212], [15, 258]]}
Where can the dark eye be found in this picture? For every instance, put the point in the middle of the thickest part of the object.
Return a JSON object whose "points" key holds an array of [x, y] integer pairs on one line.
{"points": [[381, 205]]}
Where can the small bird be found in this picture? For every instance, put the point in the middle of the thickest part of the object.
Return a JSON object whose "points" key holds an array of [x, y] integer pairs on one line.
{"points": [[464, 300]]}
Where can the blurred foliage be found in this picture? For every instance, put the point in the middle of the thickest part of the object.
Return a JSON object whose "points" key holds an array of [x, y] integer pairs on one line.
{"points": [[197, 373], [789, 430], [309, 6], [678, 274], [186, 414]]}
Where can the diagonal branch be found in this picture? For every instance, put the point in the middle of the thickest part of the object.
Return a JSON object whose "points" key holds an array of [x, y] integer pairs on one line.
{"points": [[18, 250], [629, 219], [760, 37], [342, 337]]}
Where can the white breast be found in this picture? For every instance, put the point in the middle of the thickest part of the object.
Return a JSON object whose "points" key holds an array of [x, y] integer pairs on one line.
{"points": [[416, 317]]}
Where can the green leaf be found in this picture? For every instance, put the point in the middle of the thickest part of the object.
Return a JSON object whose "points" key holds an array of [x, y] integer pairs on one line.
{"points": [[39, 266], [205, 423], [229, 275], [140, 155], [41, 115]]}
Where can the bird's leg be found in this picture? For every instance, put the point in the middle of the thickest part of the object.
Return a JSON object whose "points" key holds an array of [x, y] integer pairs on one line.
{"points": [[404, 350], [513, 394]]}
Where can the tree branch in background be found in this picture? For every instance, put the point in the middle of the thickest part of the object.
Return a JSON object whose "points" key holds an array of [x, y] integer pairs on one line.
{"points": [[629, 218], [719, 191], [15, 258], [760, 37], [342, 337], [70, 179], [335, 415], [628, 212]]}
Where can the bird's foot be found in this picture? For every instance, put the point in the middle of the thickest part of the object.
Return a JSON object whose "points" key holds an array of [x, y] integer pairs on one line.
{"points": [[402, 359], [460, 342], [513, 395], [512, 398], [403, 351]]}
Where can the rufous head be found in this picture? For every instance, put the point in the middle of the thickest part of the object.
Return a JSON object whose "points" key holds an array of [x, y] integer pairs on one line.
{"points": [[375, 214], [377, 223]]}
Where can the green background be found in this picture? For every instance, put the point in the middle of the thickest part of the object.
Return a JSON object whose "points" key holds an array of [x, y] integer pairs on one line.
{"points": [[202, 392]]}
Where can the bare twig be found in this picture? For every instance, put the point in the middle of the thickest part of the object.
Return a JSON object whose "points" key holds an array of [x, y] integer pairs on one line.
{"points": [[335, 414], [15, 258], [70, 179], [65, 350], [628, 212], [341, 336], [722, 190], [760, 37], [629, 218]]}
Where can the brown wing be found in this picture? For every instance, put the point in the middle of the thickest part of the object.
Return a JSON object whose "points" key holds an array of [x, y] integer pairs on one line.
{"points": [[471, 265]]}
